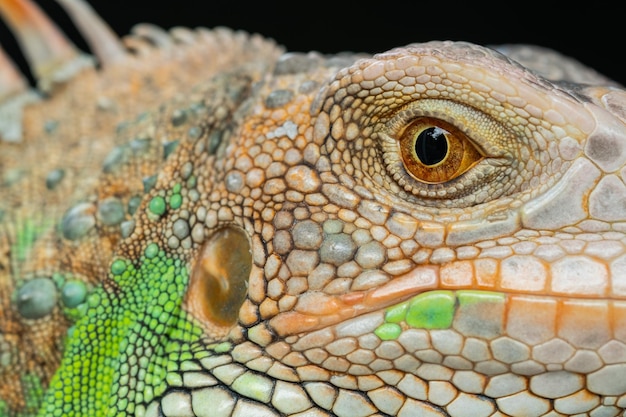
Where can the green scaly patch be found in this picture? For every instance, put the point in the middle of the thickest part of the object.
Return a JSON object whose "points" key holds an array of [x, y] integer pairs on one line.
{"points": [[119, 353], [435, 310]]}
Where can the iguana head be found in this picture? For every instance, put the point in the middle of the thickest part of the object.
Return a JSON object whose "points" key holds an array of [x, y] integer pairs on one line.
{"points": [[433, 230], [431, 219]]}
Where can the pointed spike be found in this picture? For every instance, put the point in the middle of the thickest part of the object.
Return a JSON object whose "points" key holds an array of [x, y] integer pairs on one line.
{"points": [[102, 40], [43, 44], [15, 94], [11, 115], [184, 35], [154, 34], [11, 81]]}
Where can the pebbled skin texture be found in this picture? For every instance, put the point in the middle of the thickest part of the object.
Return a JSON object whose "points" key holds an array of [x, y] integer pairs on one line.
{"points": [[244, 236]]}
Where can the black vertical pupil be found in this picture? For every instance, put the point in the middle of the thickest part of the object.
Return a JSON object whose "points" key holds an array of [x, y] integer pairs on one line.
{"points": [[431, 146]]}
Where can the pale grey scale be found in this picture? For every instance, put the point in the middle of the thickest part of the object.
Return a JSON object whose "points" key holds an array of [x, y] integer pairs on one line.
{"points": [[127, 228], [36, 298], [337, 249], [78, 221], [178, 117], [54, 178], [113, 159], [180, 229], [110, 211]]}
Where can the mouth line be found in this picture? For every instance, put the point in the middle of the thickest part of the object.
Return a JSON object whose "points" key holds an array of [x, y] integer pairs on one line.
{"points": [[316, 310]]}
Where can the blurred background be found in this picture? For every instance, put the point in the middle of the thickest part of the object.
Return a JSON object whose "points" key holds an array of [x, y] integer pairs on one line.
{"points": [[593, 34]]}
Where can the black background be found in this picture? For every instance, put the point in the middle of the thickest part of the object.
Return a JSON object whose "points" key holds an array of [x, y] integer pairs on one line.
{"points": [[587, 32]]}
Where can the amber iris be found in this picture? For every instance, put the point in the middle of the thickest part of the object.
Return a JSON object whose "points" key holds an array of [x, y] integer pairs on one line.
{"points": [[434, 151]]}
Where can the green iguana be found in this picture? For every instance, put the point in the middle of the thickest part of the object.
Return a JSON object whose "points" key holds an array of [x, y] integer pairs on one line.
{"points": [[200, 224]]}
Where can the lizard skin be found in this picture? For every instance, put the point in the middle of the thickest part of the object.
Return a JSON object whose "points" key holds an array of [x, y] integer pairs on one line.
{"points": [[259, 239]]}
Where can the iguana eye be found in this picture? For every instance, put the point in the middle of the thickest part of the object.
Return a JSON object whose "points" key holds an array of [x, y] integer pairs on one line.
{"points": [[449, 154], [435, 152]]}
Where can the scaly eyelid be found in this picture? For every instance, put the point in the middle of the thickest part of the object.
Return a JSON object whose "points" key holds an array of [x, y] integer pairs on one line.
{"points": [[487, 135]]}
